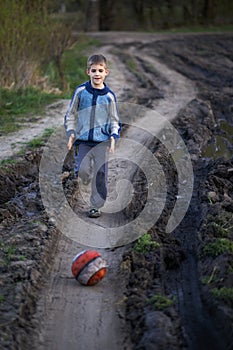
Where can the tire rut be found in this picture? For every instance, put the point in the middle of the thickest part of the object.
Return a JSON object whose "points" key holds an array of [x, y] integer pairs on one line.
{"points": [[199, 329]]}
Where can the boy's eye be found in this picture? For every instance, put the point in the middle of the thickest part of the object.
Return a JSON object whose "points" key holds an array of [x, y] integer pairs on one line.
{"points": [[95, 70]]}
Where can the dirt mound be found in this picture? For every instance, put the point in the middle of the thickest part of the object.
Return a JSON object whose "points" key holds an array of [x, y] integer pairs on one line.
{"points": [[27, 245]]}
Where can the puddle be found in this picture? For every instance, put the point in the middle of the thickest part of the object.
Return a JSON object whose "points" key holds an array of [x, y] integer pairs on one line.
{"points": [[222, 145]]}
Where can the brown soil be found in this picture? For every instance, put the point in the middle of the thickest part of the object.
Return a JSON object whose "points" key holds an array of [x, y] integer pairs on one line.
{"points": [[188, 79]]}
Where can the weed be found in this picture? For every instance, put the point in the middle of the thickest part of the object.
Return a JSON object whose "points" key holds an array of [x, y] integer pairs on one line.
{"points": [[160, 302], [48, 132], [2, 298], [131, 64], [16, 106], [210, 199], [37, 141], [22, 258], [224, 293], [218, 247], [218, 230], [205, 280], [212, 277], [145, 244], [8, 252], [6, 162]]}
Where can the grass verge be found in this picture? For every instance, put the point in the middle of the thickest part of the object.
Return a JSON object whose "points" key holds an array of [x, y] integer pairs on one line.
{"points": [[18, 107]]}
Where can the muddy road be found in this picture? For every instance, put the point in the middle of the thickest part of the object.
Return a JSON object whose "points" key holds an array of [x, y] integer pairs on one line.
{"points": [[177, 296]]}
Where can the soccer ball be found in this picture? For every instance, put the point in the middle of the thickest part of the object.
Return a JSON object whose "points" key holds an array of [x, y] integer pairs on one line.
{"points": [[88, 267]]}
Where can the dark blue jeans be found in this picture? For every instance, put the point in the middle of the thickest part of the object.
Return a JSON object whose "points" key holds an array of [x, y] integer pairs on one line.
{"points": [[91, 165]]}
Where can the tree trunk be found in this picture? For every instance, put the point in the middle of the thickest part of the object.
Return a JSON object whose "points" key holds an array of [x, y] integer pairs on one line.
{"points": [[93, 16], [107, 14], [208, 11]]}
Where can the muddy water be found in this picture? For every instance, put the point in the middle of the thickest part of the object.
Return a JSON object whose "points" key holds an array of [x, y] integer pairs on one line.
{"points": [[221, 146]]}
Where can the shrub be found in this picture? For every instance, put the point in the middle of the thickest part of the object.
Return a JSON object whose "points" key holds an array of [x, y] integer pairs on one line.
{"points": [[28, 38]]}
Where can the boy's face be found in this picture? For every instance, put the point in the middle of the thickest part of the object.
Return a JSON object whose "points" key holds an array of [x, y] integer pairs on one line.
{"points": [[97, 74]]}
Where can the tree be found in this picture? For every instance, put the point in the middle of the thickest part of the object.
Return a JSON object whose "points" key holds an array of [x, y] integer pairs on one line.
{"points": [[29, 37], [208, 11], [93, 15]]}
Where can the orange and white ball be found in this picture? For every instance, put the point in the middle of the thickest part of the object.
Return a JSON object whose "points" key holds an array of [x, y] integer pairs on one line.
{"points": [[88, 267]]}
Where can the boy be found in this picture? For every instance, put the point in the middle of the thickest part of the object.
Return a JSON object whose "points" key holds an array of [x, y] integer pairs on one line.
{"points": [[92, 124]]}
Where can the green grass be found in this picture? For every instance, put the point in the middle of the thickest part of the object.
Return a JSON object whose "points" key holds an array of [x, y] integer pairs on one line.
{"points": [[18, 107], [37, 141], [7, 252], [217, 247], [75, 62], [198, 29], [212, 278], [48, 132], [145, 244], [6, 162], [219, 230], [224, 293], [131, 64], [22, 258], [160, 302]]}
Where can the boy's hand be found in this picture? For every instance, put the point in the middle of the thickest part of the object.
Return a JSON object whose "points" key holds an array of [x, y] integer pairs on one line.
{"points": [[70, 142], [112, 145]]}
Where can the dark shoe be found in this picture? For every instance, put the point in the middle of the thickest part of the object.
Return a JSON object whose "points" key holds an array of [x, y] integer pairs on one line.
{"points": [[94, 213]]}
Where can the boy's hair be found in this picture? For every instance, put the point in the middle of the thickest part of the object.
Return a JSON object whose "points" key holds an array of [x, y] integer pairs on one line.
{"points": [[96, 59]]}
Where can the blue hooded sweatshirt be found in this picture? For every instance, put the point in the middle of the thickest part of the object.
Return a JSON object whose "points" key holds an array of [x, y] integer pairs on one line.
{"points": [[92, 115]]}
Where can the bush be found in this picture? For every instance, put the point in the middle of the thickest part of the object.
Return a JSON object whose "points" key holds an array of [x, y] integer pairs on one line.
{"points": [[28, 38]]}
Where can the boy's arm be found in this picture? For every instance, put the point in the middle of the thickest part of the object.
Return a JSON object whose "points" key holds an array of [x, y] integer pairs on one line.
{"points": [[115, 119], [112, 145], [70, 142]]}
